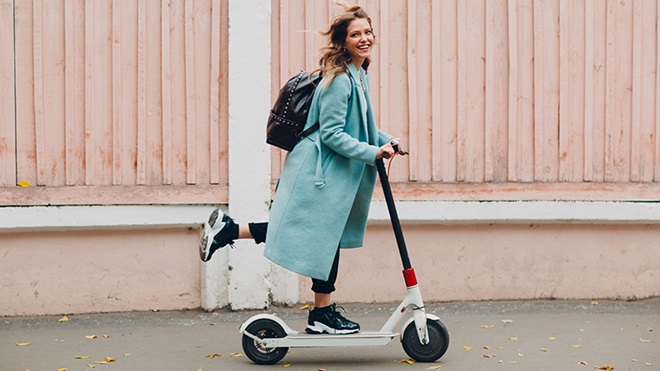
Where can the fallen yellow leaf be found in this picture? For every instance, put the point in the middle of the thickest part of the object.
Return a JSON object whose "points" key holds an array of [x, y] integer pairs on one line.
{"points": [[576, 346], [109, 359], [552, 338], [287, 365], [63, 319], [487, 326], [486, 347], [521, 355], [127, 355], [515, 339], [235, 355], [543, 350], [467, 348], [306, 306], [23, 183], [91, 336], [91, 365], [648, 364], [214, 355], [82, 357], [408, 361], [23, 344], [645, 340], [606, 368], [106, 336], [434, 368], [583, 363], [62, 369]]}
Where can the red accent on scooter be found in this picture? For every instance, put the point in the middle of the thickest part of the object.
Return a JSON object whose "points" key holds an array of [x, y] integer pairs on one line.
{"points": [[409, 277]]}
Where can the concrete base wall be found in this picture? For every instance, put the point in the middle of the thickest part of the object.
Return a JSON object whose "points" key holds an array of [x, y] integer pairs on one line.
{"points": [[98, 271], [482, 262], [124, 270]]}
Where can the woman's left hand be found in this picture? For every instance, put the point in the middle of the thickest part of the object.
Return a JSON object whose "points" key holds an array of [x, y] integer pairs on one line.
{"points": [[385, 151]]}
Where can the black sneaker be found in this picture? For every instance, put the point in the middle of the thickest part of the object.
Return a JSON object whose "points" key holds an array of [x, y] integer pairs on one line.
{"points": [[327, 319], [217, 234]]}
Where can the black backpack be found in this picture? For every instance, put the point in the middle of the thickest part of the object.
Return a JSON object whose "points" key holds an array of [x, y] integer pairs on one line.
{"points": [[289, 114]]}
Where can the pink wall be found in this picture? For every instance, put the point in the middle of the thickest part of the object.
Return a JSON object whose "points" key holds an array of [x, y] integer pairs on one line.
{"points": [[77, 272]]}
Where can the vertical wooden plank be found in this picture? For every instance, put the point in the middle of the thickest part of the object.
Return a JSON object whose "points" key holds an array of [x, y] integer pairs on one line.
{"points": [[189, 50], [513, 165], [471, 104], [538, 89], [462, 132], [214, 104], [588, 90], [599, 43], [413, 114], [619, 63], [571, 93], [525, 91], [39, 90], [448, 93], [384, 65], [635, 131], [546, 51], [89, 92], [656, 176], [117, 79], [610, 91], [166, 91], [7, 96], [141, 170], [436, 90], [69, 93], [496, 106], [564, 87], [648, 46]]}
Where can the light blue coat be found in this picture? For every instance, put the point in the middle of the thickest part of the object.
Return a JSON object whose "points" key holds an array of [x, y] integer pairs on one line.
{"points": [[324, 192]]}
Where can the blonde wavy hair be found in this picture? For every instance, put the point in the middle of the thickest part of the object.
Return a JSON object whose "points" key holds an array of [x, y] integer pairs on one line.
{"points": [[334, 57]]}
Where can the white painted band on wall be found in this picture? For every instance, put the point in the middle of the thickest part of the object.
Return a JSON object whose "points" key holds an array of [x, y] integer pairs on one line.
{"points": [[62, 218]]}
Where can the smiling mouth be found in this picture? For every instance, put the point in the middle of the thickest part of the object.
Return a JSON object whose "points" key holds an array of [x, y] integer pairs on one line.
{"points": [[364, 47]]}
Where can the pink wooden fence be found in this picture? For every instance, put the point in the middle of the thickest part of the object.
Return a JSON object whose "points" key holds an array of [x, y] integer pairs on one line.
{"points": [[118, 101], [505, 99]]}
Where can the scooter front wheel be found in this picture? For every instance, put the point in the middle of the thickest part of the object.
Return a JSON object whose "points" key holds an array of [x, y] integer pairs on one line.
{"points": [[436, 347], [263, 328]]}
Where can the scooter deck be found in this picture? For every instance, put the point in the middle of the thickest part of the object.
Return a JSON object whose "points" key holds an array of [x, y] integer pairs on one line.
{"points": [[304, 340]]}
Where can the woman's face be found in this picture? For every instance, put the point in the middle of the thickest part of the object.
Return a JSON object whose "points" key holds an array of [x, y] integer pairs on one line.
{"points": [[359, 40]]}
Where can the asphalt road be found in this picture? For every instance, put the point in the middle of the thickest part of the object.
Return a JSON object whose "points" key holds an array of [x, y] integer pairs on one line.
{"points": [[552, 335]]}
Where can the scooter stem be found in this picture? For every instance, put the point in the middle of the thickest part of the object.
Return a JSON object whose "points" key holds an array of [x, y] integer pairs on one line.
{"points": [[394, 217]]}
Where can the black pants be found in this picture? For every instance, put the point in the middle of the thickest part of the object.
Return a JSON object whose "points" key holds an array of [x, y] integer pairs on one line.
{"points": [[258, 231]]}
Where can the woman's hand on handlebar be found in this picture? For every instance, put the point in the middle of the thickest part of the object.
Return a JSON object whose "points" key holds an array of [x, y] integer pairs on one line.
{"points": [[385, 151]]}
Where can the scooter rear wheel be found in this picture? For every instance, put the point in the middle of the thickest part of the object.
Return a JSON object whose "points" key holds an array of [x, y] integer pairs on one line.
{"points": [[263, 328], [437, 346]]}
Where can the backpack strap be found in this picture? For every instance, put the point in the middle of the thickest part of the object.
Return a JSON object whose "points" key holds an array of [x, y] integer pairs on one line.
{"points": [[309, 130]]}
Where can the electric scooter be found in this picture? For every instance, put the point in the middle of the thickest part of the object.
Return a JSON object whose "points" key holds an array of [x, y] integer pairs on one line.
{"points": [[266, 338]]}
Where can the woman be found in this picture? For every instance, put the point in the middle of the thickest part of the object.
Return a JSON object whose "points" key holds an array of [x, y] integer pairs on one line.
{"points": [[324, 192]]}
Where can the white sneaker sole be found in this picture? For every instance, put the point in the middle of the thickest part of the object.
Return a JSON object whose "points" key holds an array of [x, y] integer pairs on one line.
{"points": [[211, 228], [319, 328]]}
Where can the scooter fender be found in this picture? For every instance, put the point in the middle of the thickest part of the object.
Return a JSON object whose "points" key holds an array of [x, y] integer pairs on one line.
{"points": [[270, 317], [428, 317]]}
